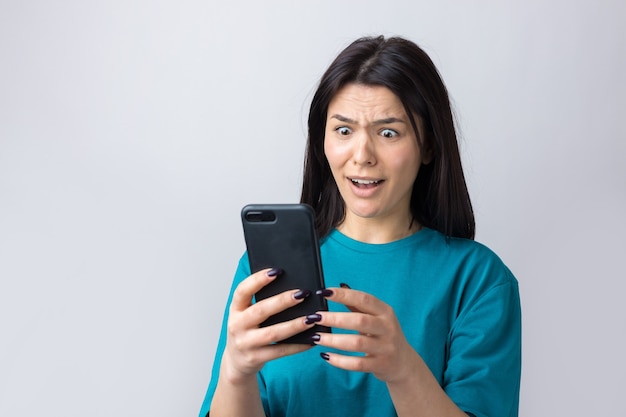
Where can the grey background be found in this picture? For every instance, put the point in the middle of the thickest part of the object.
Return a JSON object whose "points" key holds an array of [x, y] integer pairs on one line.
{"points": [[132, 132]]}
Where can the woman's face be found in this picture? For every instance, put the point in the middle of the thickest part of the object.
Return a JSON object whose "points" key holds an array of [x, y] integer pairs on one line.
{"points": [[372, 151]]}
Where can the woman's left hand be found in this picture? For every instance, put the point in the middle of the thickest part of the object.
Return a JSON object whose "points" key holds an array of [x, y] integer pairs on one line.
{"points": [[388, 355]]}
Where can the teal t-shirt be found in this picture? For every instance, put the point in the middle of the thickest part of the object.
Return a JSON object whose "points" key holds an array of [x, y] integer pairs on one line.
{"points": [[458, 306]]}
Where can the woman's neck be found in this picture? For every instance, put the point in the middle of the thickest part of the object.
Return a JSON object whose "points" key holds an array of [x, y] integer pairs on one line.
{"points": [[378, 230]]}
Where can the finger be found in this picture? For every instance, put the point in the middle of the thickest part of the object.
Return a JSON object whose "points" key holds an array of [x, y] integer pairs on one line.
{"points": [[269, 353], [278, 332], [262, 310], [356, 310], [357, 301], [242, 297], [348, 342], [349, 363], [359, 322]]}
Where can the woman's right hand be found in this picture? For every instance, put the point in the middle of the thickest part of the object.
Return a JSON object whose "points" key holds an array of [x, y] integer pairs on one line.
{"points": [[249, 346]]}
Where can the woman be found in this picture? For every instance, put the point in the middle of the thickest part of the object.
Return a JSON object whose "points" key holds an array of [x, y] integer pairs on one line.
{"points": [[429, 324]]}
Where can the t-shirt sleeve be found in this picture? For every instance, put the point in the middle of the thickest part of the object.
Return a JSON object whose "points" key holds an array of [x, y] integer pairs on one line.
{"points": [[482, 376], [243, 271]]}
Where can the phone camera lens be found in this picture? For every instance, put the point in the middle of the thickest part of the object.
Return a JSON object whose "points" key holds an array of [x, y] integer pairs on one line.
{"points": [[260, 216]]}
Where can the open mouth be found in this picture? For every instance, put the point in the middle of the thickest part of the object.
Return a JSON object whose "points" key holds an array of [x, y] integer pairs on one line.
{"points": [[361, 183]]}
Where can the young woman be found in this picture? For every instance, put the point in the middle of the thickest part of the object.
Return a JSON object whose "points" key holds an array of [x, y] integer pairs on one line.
{"points": [[426, 322]]}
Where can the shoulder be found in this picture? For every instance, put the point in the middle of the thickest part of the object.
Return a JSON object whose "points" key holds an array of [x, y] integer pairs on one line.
{"points": [[475, 273], [471, 257], [484, 287]]}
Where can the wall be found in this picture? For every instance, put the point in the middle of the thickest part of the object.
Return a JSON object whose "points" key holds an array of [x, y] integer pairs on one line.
{"points": [[132, 132]]}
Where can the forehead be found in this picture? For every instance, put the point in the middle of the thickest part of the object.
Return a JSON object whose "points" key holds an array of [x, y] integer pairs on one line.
{"points": [[366, 100]]}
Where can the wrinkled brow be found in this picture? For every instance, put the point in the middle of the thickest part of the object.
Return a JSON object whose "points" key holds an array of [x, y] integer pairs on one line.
{"points": [[385, 121]]}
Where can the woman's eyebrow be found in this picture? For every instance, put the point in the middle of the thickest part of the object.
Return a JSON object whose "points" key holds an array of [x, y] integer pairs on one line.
{"points": [[388, 120], [385, 121], [343, 118]]}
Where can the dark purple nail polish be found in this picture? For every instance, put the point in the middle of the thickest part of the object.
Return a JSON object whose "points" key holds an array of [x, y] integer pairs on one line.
{"points": [[312, 318], [274, 272], [315, 337], [301, 294], [325, 356], [325, 292], [344, 285]]}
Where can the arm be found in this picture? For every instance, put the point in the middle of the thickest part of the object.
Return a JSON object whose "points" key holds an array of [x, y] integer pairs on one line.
{"points": [[419, 394], [249, 347], [482, 375], [236, 397], [413, 388]]}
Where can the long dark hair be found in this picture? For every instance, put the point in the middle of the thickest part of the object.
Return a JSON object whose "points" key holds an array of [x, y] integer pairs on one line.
{"points": [[440, 199]]}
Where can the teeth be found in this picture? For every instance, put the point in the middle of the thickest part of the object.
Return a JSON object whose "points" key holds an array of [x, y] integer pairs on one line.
{"points": [[366, 182]]}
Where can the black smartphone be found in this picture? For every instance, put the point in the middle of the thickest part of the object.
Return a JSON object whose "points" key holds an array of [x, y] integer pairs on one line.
{"points": [[284, 236]]}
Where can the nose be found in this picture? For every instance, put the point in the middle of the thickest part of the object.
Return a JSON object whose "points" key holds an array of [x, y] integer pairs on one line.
{"points": [[364, 150]]}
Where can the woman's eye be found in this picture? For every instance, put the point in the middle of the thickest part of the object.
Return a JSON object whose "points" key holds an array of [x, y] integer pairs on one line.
{"points": [[388, 133], [344, 131]]}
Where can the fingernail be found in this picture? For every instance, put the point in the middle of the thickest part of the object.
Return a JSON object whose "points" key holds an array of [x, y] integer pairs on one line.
{"points": [[312, 318], [315, 337], [324, 292], [344, 285], [325, 356], [301, 294], [274, 272]]}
